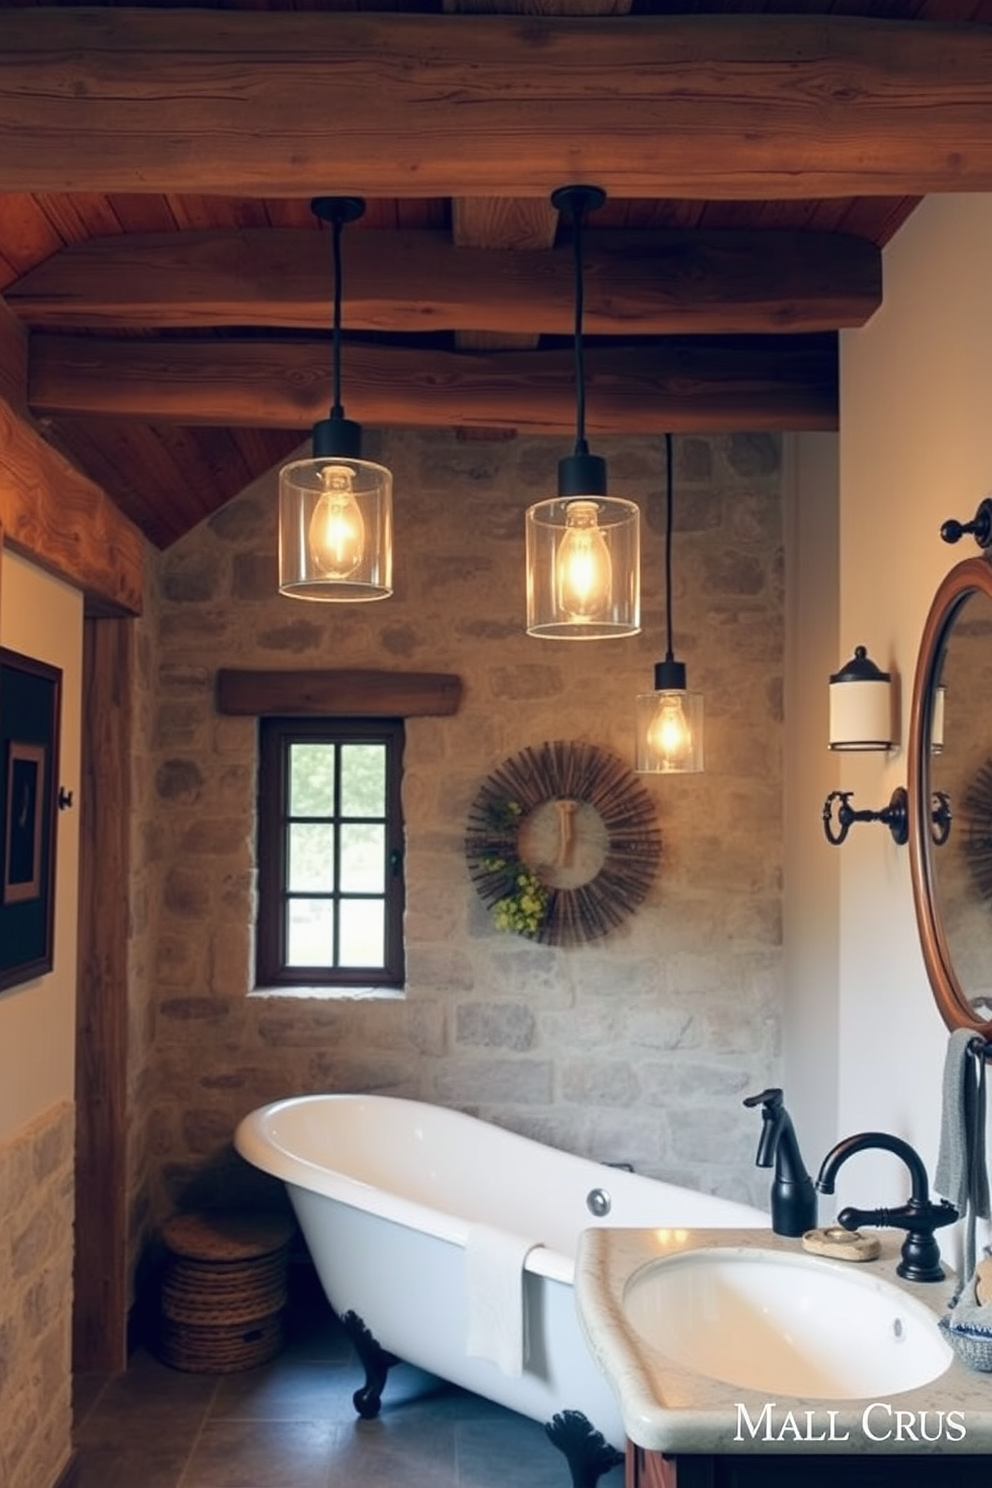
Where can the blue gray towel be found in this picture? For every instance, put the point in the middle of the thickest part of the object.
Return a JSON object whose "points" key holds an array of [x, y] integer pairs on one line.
{"points": [[962, 1172]]}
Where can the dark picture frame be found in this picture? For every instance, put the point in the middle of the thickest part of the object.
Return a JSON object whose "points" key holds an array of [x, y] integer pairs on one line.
{"points": [[30, 708]]}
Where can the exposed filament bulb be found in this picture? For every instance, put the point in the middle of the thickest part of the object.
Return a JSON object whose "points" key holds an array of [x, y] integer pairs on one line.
{"points": [[336, 534], [669, 737], [584, 572]]}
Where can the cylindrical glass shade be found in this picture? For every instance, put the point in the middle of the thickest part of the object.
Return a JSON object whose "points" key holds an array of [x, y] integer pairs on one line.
{"points": [[860, 705], [583, 568], [335, 529], [669, 732]]}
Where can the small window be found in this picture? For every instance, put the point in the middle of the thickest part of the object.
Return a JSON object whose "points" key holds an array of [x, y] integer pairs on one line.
{"points": [[330, 853]]}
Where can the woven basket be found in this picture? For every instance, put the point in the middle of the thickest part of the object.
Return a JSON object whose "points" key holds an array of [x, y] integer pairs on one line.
{"points": [[967, 1326], [218, 1349], [223, 1291]]}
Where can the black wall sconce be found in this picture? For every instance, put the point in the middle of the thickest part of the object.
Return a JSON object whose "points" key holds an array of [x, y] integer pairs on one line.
{"points": [[861, 722]]}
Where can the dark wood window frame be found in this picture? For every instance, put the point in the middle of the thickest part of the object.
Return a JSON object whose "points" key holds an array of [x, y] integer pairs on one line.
{"points": [[273, 968], [326, 698]]}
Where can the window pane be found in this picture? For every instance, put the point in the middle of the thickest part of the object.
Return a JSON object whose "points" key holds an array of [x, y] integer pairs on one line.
{"points": [[311, 858], [363, 858], [330, 907], [310, 932], [311, 780], [363, 932], [363, 780]]}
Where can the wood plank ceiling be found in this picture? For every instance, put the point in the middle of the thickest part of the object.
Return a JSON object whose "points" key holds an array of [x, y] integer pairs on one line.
{"points": [[156, 241]]}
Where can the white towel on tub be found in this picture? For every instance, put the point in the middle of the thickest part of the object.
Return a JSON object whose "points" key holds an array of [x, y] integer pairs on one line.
{"points": [[494, 1277]]}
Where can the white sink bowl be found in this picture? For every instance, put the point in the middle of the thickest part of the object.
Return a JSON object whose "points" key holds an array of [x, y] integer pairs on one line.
{"points": [[783, 1323]]}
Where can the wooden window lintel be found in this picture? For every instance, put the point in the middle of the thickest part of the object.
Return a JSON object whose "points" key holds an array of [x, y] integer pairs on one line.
{"points": [[338, 694]]}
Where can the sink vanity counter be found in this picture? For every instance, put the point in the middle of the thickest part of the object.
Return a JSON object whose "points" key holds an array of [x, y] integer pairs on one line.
{"points": [[669, 1406]]}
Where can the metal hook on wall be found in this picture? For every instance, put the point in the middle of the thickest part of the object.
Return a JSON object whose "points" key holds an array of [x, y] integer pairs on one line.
{"points": [[895, 816]]}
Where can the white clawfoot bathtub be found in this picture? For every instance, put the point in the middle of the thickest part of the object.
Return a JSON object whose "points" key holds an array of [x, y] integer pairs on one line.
{"points": [[386, 1192]]}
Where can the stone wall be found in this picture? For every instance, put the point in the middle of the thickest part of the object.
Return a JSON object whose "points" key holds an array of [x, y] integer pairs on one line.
{"points": [[36, 1210], [638, 1047]]}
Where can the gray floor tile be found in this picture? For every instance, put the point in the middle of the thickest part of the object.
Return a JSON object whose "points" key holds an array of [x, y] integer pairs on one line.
{"points": [[292, 1424], [396, 1450], [151, 1394], [262, 1454], [289, 1389], [145, 1460], [508, 1449]]}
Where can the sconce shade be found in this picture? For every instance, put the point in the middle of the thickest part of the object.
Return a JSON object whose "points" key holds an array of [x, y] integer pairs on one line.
{"points": [[938, 710], [583, 567], [861, 705], [669, 725]]}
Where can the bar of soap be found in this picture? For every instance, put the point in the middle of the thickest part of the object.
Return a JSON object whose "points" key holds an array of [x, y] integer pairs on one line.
{"points": [[842, 1245], [983, 1281]]}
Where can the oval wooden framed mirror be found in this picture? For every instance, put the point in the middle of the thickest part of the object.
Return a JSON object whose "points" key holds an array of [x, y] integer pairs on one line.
{"points": [[950, 802]]}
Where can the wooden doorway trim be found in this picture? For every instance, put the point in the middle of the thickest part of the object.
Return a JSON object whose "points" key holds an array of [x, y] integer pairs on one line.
{"points": [[101, 1292]]}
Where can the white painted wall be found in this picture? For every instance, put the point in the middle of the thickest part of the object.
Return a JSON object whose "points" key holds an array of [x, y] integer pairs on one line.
{"points": [[915, 448], [42, 617], [811, 1050]]}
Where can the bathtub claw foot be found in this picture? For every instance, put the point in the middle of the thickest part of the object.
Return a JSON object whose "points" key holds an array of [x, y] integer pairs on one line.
{"points": [[587, 1452], [376, 1362]]}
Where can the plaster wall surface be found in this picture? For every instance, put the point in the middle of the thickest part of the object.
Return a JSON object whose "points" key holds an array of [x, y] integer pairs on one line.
{"points": [[916, 389], [812, 872], [40, 617]]}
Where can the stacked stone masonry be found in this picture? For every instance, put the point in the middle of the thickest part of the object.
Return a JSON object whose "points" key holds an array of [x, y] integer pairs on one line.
{"points": [[36, 1228], [635, 1048]]}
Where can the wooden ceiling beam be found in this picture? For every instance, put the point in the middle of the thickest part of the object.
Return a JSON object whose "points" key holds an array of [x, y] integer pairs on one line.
{"points": [[784, 382], [49, 511], [290, 104], [65, 523], [518, 225], [651, 283]]}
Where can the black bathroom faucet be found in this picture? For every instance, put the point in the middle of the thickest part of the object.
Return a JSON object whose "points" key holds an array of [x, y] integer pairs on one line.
{"points": [[793, 1195], [918, 1217]]}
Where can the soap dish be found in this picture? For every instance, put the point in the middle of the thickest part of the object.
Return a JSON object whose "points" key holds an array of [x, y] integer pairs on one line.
{"points": [[842, 1245]]}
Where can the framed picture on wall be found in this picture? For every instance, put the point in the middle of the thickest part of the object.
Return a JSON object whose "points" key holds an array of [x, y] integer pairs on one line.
{"points": [[30, 701]]}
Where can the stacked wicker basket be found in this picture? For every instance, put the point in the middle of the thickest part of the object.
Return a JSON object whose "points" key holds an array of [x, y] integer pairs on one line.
{"points": [[223, 1297]]}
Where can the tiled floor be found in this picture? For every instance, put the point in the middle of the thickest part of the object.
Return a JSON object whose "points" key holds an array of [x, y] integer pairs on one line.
{"points": [[291, 1424]]}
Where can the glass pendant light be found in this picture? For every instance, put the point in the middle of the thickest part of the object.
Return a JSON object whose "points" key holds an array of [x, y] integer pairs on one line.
{"points": [[336, 509], [583, 546], [669, 719]]}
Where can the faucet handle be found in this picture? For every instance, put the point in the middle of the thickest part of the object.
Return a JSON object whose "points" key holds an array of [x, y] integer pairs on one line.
{"points": [[920, 1260], [771, 1099]]}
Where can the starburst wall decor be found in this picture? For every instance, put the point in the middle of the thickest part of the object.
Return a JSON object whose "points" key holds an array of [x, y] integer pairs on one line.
{"points": [[562, 843]]}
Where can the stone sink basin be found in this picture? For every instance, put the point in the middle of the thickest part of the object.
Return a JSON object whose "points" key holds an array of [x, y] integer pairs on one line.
{"points": [[785, 1322]]}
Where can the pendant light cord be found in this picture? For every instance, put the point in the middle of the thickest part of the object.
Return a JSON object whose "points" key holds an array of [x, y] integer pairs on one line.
{"points": [[581, 447], [337, 407], [669, 654]]}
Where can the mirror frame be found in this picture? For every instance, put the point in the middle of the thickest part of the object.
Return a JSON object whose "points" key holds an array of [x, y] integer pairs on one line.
{"points": [[972, 576]]}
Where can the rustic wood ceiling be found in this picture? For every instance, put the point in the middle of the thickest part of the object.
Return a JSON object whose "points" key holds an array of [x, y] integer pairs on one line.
{"points": [[156, 241]]}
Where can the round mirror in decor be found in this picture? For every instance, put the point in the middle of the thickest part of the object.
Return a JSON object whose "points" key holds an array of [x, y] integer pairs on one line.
{"points": [[950, 796], [562, 843]]}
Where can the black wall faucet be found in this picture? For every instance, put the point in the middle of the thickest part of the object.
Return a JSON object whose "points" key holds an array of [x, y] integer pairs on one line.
{"points": [[918, 1217], [793, 1194]]}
